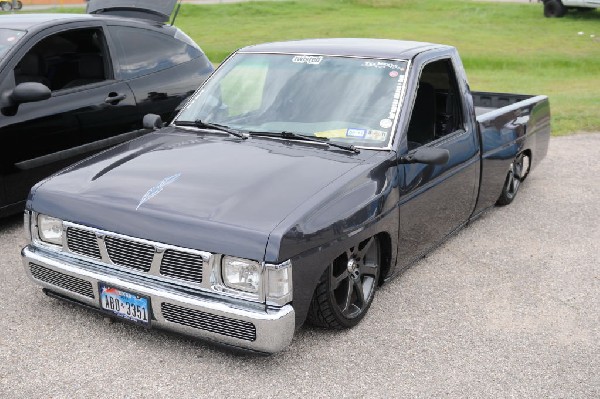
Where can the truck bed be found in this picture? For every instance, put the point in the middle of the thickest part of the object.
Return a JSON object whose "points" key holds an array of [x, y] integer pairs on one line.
{"points": [[509, 125], [485, 102]]}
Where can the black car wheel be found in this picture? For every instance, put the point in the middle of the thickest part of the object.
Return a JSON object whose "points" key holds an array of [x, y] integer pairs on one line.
{"points": [[5, 6], [554, 9], [346, 289], [516, 174], [18, 5]]}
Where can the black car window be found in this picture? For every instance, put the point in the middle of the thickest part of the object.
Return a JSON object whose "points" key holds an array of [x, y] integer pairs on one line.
{"points": [[142, 51], [65, 60]]}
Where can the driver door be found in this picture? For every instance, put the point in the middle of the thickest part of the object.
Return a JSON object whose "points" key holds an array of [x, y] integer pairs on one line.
{"points": [[437, 199]]}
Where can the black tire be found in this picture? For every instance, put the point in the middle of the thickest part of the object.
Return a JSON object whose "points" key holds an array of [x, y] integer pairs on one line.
{"points": [[347, 288], [19, 5], [517, 172], [554, 9], [5, 6]]}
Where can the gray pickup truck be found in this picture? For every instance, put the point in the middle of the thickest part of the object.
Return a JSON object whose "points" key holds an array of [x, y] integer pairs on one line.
{"points": [[300, 177]]}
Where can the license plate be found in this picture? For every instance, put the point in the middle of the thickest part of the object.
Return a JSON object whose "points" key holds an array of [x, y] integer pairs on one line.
{"points": [[124, 304]]}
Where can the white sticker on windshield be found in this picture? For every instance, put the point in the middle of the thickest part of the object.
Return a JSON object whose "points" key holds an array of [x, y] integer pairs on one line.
{"points": [[357, 133], [396, 100], [385, 123], [377, 135], [307, 59], [382, 65]]}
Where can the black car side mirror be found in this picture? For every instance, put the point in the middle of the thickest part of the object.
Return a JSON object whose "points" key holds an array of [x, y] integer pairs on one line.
{"points": [[30, 92], [27, 92], [426, 155], [152, 121]]}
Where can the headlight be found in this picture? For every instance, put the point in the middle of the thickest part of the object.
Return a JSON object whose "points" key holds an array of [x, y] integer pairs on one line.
{"points": [[50, 229], [241, 274]]}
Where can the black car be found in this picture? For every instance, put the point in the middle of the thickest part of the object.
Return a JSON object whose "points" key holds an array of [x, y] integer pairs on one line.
{"points": [[73, 84]]}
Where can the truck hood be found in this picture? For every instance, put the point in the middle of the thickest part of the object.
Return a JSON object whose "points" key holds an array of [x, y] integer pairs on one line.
{"points": [[202, 191]]}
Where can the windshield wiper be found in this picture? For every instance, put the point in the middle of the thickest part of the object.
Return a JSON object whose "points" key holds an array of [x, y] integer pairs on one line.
{"points": [[296, 136], [215, 126]]}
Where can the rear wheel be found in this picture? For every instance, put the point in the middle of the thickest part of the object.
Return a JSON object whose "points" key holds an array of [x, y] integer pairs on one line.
{"points": [[554, 9], [346, 289], [516, 174], [18, 5]]}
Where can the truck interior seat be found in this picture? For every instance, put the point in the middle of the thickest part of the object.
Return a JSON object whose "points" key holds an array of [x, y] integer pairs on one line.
{"points": [[421, 129]]}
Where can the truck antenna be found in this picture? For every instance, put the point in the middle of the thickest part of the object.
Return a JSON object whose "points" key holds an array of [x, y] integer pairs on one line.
{"points": [[176, 12]]}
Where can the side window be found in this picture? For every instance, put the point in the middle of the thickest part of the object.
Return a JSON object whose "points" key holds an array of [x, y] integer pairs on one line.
{"points": [[437, 110], [142, 51], [66, 60]]}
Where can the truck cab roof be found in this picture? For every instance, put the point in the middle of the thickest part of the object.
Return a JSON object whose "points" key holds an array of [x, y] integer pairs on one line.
{"points": [[351, 47]]}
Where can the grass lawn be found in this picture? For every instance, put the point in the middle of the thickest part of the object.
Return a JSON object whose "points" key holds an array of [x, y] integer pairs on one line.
{"points": [[506, 47]]}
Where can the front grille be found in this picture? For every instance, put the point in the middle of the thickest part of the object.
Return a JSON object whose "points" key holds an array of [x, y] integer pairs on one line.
{"points": [[61, 280], [83, 242], [129, 253], [183, 265], [209, 322]]}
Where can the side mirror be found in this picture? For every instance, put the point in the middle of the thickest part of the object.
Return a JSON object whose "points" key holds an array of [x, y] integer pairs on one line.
{"points": [[27, 92], [426, 155], [152, 121]]}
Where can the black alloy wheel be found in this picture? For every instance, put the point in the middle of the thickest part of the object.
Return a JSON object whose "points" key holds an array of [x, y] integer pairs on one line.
{"points": [[554, 9], [346, 289], [517, 172]]}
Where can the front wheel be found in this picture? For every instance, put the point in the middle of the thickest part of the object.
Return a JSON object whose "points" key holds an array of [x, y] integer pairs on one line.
{"points": [[18, 5], [554, 9], [346, 289]]}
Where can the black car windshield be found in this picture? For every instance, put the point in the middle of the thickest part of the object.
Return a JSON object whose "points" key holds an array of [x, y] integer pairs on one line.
{"points": [[8, 38], [351, 100]]}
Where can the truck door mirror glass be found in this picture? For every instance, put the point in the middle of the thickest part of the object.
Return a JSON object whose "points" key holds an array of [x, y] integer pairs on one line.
{"points": [[427, 155], [28, 92]]}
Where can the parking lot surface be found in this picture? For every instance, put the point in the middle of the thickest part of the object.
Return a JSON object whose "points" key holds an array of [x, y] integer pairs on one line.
{"points": [[507, 307]]}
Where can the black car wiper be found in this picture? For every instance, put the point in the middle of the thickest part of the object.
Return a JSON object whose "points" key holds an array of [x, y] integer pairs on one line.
{"points": [[296, 136], [215, 126]]}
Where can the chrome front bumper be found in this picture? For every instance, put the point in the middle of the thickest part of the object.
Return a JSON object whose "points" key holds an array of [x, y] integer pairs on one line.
{"points": [[215, 318]]}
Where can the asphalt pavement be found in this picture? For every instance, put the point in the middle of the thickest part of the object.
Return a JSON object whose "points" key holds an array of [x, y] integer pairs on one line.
{"points": [[509, 307]]}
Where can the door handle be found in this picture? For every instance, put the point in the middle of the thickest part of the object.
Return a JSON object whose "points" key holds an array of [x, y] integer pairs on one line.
{"points": [[115, 98]]}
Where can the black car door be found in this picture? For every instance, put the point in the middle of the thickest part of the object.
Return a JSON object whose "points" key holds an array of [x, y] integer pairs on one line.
{"points": [[87, 105], [437, 199]]}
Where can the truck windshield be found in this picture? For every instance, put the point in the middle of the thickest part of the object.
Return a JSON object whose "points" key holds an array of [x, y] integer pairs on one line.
{"points": [[352, 100], [8, 38]]}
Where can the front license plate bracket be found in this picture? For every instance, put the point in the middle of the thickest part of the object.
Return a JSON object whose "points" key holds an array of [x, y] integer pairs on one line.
{"points": [[125, 304]]}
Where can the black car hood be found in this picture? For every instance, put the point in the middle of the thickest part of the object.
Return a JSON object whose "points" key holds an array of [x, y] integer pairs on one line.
{"points": [[208, 192]]}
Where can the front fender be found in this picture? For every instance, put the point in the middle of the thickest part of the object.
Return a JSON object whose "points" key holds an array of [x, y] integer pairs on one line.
{"points": [[352, 209]]}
